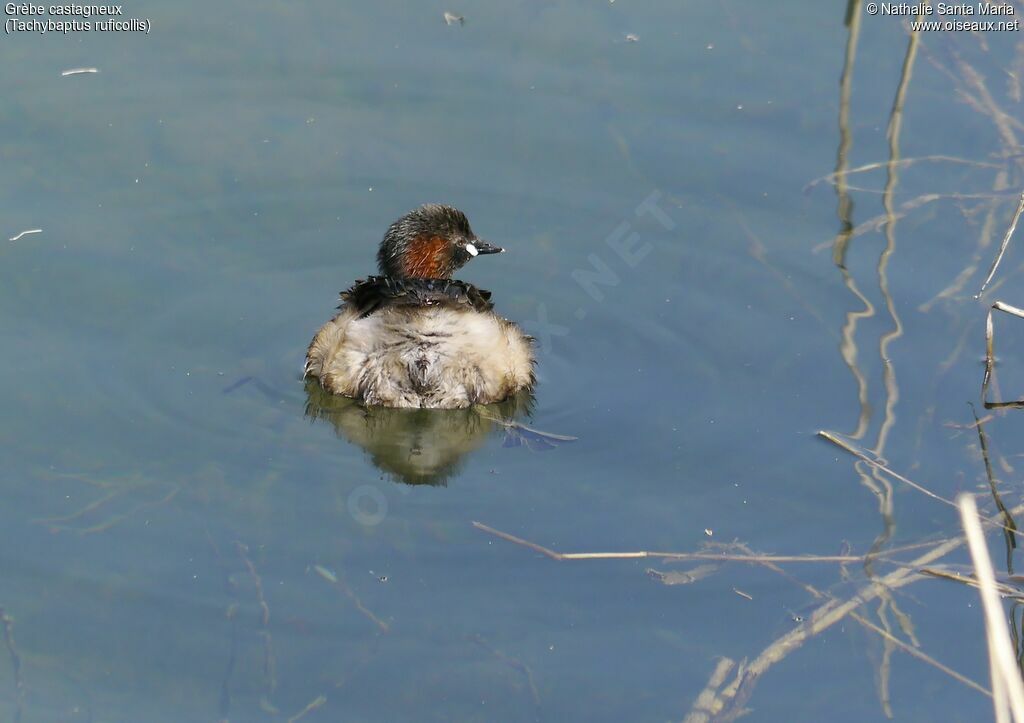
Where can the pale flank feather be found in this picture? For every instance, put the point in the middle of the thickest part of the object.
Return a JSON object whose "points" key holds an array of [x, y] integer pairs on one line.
{"points": [[437, 356]]}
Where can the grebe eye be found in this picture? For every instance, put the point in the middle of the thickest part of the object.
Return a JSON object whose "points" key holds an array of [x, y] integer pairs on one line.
{"points": [[471, 249]]}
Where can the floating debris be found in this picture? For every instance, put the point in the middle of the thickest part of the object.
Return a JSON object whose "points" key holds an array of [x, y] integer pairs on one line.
{"points": [[452, 18], [25, 233], [78, 71], [685, 577], [743, 594], [325, 573], [632, 38]]}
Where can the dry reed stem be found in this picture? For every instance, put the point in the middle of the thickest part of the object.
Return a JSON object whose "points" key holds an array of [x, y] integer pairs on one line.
{"points": [[912, 650], [1007, 686], [710, 703], [825, 616], [889, 637], [1002, 247], [1005, 591], [989, 377], [707, 706], [718, 556]]}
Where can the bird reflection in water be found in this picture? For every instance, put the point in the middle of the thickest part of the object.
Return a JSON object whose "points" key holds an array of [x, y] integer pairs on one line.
{"points": [[427, 446]]}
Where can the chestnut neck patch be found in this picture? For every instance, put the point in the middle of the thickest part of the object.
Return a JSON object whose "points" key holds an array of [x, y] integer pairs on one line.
{"points": [[427, 257]]}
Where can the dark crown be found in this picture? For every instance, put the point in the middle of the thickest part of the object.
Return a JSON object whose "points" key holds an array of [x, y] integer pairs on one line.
{"points": [[430, 221]]}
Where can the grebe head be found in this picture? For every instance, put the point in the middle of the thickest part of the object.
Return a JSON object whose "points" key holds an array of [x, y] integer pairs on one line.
{"points": [[430, 242]]}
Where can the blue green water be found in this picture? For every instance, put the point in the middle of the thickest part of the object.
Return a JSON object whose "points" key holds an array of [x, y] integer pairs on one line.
{"points": [[187, 535]]}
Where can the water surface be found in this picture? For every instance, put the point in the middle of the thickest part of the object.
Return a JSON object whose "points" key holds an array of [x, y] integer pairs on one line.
{"points": [[184, 537]]}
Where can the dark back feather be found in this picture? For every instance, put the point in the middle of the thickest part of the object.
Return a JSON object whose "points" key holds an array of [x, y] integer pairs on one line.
{"points": [[378, 292]]}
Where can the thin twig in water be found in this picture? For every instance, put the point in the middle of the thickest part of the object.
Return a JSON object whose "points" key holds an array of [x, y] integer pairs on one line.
{"points": [[954, 576], [25, 233], [920, 655], [1003, 246], [876, 222], [924, 490], [842, 444], [903, 162]]}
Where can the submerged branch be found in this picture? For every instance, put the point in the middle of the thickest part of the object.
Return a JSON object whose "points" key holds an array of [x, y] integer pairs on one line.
{"points": [[332, 577], [269, 660], [317, 702], [7, 622]]}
